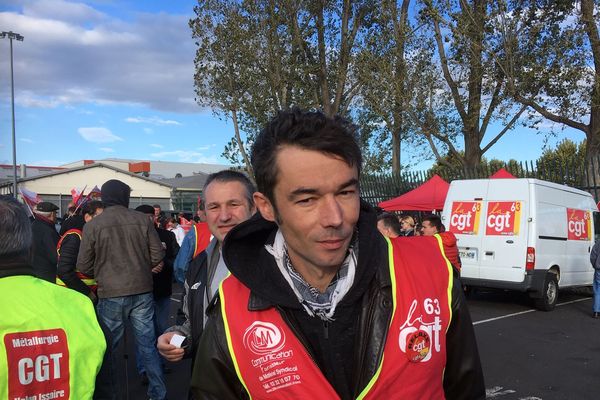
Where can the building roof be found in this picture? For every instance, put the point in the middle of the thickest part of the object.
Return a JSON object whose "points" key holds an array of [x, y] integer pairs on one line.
{"points": [[194, 182], [84, 167], [167, 169]]}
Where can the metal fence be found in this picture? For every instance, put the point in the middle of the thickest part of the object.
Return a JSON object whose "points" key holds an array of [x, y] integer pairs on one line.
{"points": [[377, 188]]}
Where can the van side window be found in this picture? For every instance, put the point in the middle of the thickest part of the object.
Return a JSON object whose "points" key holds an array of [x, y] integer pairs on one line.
{"points": [[596, 226]]}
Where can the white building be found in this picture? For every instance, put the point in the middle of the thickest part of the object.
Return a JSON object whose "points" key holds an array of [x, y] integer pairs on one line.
{"points": [[155, 169], [56, 186]]}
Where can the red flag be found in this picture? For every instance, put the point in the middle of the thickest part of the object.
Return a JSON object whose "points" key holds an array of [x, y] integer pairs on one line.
{"points": [[76, 195], [185, 224]]}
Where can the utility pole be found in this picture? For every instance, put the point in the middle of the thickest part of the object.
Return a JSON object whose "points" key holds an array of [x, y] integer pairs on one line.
{"points": [[12, 35]]}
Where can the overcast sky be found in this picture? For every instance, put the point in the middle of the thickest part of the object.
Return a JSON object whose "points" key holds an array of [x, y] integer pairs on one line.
{"points": [[103, 79]]}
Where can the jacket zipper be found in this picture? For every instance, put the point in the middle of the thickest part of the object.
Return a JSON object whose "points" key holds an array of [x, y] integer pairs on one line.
{"points": [[370, 313]]}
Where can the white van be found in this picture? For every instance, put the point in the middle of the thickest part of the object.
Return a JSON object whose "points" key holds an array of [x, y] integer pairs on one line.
{"points": [[522, 234]]}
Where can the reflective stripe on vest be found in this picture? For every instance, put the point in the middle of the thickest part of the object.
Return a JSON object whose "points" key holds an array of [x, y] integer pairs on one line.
{"points": [[87, 280], [50, 341], [202, 238], [271, 362]]}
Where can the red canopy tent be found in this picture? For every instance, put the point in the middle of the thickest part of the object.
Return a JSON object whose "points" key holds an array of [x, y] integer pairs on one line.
{"points": [[502, 174], [427, 197]]}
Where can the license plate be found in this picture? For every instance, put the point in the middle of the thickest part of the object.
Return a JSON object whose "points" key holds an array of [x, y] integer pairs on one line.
{"points": [[467, 254]]}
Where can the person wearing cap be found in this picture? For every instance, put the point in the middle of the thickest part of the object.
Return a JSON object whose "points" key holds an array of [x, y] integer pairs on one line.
{"points": [[45, 238]]}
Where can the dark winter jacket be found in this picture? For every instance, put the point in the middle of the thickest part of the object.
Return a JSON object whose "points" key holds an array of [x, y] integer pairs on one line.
{"points": [[44, 240], [120, 246], [163, 281], [69, 249], [347, 350], [194, 285]]}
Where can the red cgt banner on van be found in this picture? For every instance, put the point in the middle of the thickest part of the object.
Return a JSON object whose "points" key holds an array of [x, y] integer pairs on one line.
{"points": [[464, 218], [503, 218], [579, 224]]}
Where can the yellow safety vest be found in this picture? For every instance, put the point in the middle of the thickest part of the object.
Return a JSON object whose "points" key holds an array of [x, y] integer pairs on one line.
{"points": [[51, 345]]}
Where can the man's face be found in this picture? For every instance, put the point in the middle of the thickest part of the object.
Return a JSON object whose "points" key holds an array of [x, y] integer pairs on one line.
{"points": [[89, 217], [226, 207], [316, 207], [156, 211], [428, 229]]}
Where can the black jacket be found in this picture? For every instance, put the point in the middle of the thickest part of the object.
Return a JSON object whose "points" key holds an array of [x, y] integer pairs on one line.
{"points": [[69, 249], [347, 350], [44, 241], [163, 281]]}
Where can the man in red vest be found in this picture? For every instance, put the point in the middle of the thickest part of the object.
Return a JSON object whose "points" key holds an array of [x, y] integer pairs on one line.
{"points": [[319, 304], [432, 225]]}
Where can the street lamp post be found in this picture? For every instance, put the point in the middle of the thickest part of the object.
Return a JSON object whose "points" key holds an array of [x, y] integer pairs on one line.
{"points": [[12, 35]]}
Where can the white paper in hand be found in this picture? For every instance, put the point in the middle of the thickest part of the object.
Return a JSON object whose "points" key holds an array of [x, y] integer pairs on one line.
{"points": [[177, 340]]}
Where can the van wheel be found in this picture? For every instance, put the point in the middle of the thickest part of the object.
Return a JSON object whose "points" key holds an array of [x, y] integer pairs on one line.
{"points": [[550, 294]]}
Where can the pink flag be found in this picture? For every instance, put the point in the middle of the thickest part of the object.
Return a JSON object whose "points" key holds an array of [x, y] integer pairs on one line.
{"points": [[30, 198]]}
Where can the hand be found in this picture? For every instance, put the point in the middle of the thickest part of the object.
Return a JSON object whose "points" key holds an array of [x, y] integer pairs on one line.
{"points": [[167, 350], [158, 267]]}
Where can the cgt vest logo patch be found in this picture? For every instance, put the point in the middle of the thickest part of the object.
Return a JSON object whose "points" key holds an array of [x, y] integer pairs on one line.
{"points": [[38, 364], [418, 334], [263, 338]]}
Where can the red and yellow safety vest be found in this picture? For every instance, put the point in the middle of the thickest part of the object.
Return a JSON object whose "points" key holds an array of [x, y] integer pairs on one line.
{"points": [[202, 237], [272, 363], [90, 282]]}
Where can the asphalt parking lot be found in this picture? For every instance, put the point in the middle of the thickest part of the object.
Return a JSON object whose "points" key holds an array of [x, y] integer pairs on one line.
{"points": [[529, 354], [526, 354]]}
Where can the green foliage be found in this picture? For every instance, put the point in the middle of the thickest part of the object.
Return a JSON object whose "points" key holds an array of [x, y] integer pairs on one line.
{"points": [[567, 154]]}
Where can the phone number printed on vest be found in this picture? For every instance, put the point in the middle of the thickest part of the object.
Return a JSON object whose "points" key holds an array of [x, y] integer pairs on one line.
{"points": [[267, 342], [38, 365]]}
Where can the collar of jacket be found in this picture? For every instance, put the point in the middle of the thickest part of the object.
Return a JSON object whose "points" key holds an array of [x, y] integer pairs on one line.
{"points": [[15, 265], [249, 261], [41, 218]]}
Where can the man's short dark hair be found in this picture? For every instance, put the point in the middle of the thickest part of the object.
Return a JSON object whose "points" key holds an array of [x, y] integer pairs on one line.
{"points": [[145, 209], [434, 220], [228, 175], [310, 130], [390, 221], [15, 228], [90, 207]]}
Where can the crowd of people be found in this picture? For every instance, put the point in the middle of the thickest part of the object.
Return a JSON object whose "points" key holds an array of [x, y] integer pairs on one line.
{"points": [[290, 289], [393, 226]]}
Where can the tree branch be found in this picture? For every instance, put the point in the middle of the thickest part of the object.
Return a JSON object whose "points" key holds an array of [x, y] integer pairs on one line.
{"points": [[551, 116], [503, 131], [444, 62]]}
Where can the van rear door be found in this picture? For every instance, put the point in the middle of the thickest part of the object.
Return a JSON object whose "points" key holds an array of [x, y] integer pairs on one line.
{"points": [[505, 230], [463, 217]]}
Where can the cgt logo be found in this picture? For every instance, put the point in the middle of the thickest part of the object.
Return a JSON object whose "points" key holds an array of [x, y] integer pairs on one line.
{"points": [[263, 338], [578, 224], [503, 218], [464, 218]]}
